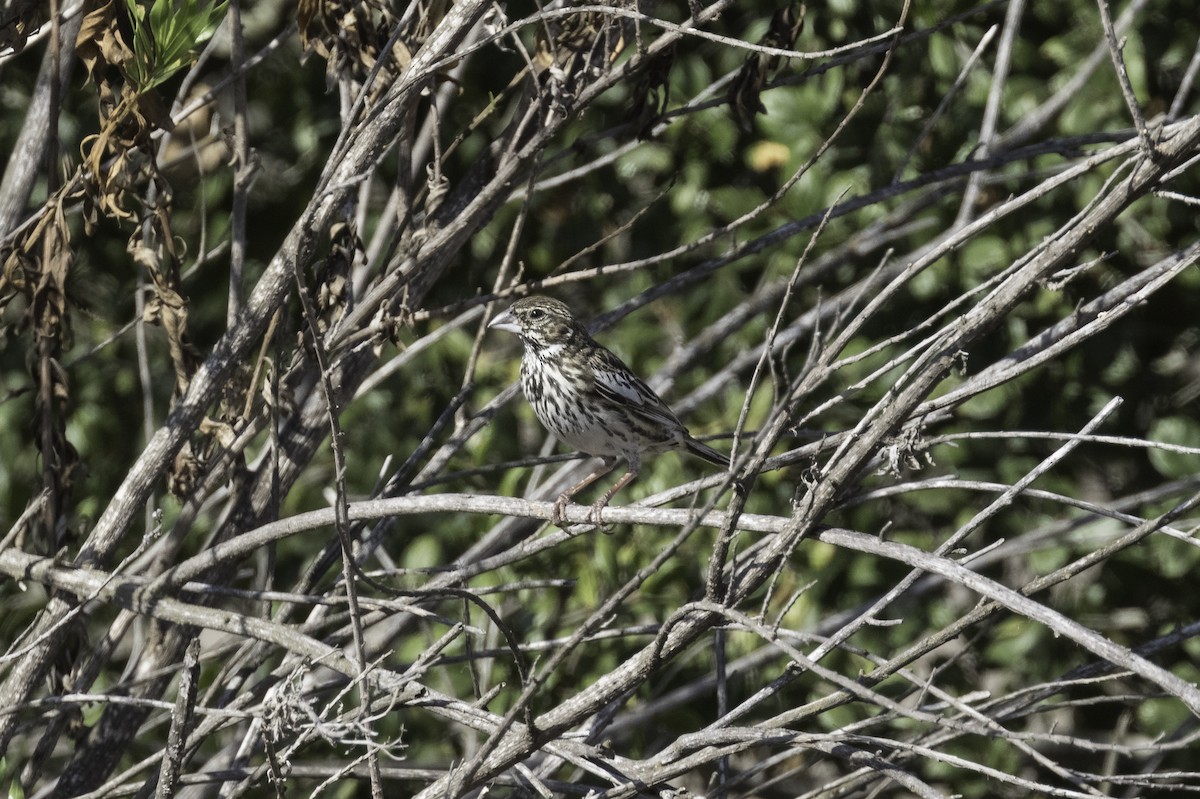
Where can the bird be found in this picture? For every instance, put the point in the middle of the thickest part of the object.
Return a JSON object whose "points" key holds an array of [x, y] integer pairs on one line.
{"points": [[590, 399]]}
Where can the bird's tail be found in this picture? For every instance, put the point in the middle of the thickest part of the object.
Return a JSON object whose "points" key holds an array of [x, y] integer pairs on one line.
{"points": [[702, 450]]}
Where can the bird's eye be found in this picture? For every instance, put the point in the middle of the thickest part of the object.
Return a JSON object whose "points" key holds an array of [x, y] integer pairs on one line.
{"points": [[536, 313]]}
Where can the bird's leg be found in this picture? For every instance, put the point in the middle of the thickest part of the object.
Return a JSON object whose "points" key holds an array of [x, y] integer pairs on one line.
{"points": [[601, 503], [558, 513]]}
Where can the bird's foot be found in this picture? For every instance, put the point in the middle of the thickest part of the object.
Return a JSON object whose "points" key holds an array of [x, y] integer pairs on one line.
{"points": [[594, 516], [558, 514]]}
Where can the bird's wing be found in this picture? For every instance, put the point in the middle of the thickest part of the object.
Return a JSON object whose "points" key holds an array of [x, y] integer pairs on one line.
{"points": [[618, 385]]}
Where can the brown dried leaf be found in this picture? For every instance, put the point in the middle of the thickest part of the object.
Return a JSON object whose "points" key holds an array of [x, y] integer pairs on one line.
{"points": [[333, 276], [167, 308], [100, 43], [186, 471], [562, 41], [50, 297], [652, 95], [108, 186], [317, 22], [117, 154], [351, 35], [786, 26], [152, 110], [16, 275], [36, 267], [224, 434], [19, 20]]}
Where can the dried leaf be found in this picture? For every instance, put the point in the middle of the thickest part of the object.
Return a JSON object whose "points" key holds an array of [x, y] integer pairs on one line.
{"points": [[333, 276], [167, 308], [351, 35], [588, 39], [186, 471], [100, 43], [652, 95], [18, 21], [220, 432], [315, 20], [785, 28], [152, 109]]}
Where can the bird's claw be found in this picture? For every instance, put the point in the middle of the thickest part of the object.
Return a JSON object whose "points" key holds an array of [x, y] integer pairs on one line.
{"points": [[558, 514], [594, 517]]}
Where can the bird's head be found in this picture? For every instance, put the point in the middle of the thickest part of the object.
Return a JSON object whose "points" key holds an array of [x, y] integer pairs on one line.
{"points": [[540, 322]]}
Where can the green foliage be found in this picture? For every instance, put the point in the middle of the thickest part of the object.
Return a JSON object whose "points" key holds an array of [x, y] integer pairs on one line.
{"points": [[166, 34], [612, 211], [15, 791], [1179, 431]]}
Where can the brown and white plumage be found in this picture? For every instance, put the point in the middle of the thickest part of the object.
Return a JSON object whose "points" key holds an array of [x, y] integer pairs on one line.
{"points": [[589, 398]]}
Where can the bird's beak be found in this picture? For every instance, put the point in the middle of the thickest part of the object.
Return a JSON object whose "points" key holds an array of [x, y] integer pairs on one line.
{"points": [[506, 321]]}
